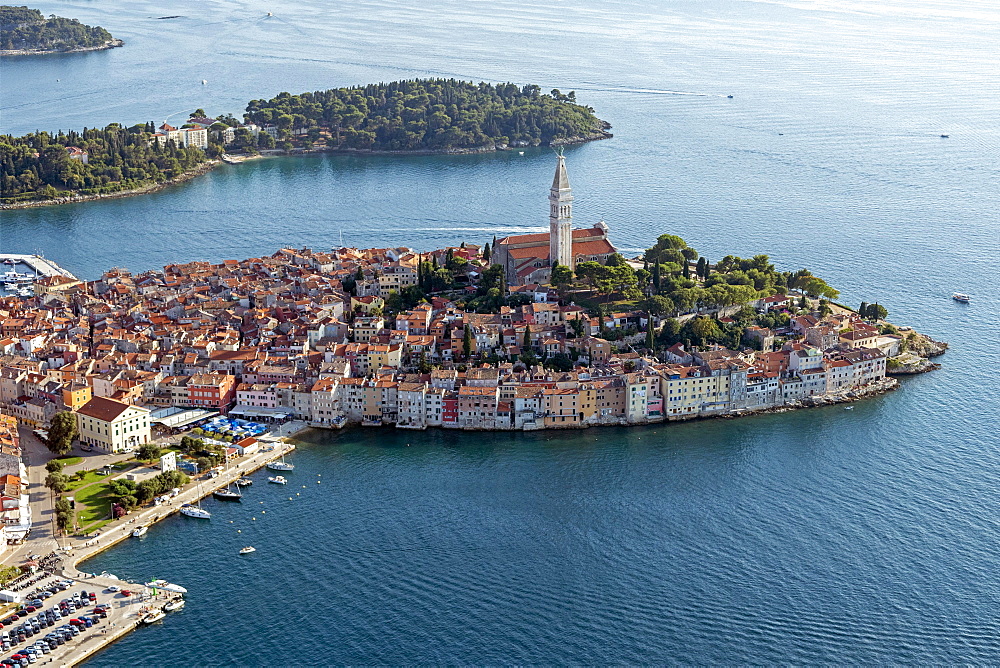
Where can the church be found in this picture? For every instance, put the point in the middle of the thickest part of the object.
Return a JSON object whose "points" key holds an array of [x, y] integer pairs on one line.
{"points": [[528, 258]]}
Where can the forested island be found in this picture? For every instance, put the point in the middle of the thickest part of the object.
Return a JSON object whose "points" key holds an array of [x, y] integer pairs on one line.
{"points": [[429, 115], [25, 31]]}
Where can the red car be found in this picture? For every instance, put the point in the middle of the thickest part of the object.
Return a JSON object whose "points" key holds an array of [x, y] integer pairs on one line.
{"points": [[126, 592]]}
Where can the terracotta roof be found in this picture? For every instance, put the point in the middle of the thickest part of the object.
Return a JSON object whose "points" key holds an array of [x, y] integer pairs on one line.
{"points": [[103, 408]]}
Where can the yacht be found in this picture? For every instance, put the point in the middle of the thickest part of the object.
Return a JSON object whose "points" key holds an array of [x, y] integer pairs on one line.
{"points": [[961, 298], [167, 586], [248, 549], [228, 494], [277, 479], [154, 617], [138, 532], [195, 511], [281, 465], [174, 605]]}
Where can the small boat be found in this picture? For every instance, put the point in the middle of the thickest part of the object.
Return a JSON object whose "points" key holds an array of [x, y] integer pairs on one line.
{"points": [[248, 549], [729, 97], [848, 408], [204, 82], [961, 297], [167, 586], [174, 605], [945, 136], [280, 465], [244, 482], [154, 617], [139, 532], [228, 494], [277, 479]]}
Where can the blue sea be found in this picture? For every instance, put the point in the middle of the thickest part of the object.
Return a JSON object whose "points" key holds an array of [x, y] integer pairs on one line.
{"points": [[821, 536]]}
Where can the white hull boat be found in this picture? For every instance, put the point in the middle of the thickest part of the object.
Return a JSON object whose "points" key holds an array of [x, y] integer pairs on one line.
{"points": [[277, 480], [139, 532]]}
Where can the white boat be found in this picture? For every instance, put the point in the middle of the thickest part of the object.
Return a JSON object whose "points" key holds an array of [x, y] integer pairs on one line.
{"points": [[154, 617], [248, 549], [196, 512], [848, 408], [204, 82], [961, 297], [277, 479], [139, 532], [174, 605], [281, 465], [167, 586]]}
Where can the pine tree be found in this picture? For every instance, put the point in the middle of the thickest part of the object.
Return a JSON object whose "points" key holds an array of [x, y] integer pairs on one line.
{"points": [[863, 310], [656, 275], [486, 252], [700, 269], [526, 344], [649, 333], [686, 268]]}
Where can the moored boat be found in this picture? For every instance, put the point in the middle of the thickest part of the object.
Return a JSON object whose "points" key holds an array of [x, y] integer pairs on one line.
{"points": [[154, 617], [277, 479], [139, 531], [174, 605], [196, 512], [228, 494], [280, 465], [244, 482], [167, 586]]}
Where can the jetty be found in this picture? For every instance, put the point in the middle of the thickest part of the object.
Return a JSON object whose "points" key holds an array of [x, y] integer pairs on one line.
{"points": [[41, 266]]}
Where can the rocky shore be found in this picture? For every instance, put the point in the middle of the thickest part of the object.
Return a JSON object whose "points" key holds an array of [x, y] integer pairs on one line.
{"points": [[110, 44], [151, 188]]}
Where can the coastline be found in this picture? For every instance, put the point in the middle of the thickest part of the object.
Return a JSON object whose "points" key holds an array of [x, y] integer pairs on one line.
{"points": [[120, 530], [203, 168], [211, 164], [110, 44]]}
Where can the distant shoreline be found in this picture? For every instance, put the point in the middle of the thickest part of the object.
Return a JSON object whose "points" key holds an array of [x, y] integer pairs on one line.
{"points": [[211, 164], [110, 44]]}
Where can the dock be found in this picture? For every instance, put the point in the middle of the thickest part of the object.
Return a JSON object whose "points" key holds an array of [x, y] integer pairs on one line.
{"points": [[38, 264]]}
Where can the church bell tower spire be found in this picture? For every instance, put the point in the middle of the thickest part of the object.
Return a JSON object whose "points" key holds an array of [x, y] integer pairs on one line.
{"points": [[561, 216]]}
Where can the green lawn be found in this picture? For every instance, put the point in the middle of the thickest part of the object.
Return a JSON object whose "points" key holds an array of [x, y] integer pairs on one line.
{"points": [[69, 461], [89, 479], [93, 503]]}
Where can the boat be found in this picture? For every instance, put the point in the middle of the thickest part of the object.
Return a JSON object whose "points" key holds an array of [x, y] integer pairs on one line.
{"points": [[174, 605], [277, 479], [244, 482], [961, 297], [729, 97], [167, 586], [154, 617], [281, 465], [228, 494], [248, 549], [204, 82], [945, 136], [848, 408], [139, 532]]}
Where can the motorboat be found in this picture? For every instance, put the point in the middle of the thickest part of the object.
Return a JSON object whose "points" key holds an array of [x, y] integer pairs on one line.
{"points": [[945, 136], [167, 586], [248, 549], [139, 532], [277, 479], [154, 617], [228, 494], [961, 298], [281, 465], [848, 408], [244, 482], [195, 511], [174, 605]]}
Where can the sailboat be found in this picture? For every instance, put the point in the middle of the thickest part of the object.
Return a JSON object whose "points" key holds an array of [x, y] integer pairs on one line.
{"points": [[281, 465], [228, 494], [195, 511]]}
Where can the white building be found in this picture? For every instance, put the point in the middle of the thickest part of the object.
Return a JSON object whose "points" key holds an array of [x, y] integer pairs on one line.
{"points": [[113, 426]]}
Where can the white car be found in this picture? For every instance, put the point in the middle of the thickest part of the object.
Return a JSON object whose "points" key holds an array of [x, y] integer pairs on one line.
{"points": [[113, 589]]}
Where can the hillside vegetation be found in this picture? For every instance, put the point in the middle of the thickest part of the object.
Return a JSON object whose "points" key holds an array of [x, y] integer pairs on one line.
{"points": [[27, 29], [432, 114]]}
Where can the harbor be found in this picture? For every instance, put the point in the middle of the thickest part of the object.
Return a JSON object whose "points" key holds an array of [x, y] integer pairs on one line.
{"points": [[145, 602], [19, 271]]}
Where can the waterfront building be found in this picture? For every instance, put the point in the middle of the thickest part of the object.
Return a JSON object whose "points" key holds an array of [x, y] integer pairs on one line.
{"points": [[113, 426]]}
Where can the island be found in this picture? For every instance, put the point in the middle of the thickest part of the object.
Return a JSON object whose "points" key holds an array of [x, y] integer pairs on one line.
{"points": [[26, 32], [414, 116]]}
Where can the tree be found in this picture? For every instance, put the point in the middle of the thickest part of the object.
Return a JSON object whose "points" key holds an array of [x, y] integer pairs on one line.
{"points": [[486, 253], [148, 452], [877, 312], [650, 341], [561, 276], [577, 325], [700, 270], [526, 343], [467, 342], [54, 466], [62, 431], [56, 482]]}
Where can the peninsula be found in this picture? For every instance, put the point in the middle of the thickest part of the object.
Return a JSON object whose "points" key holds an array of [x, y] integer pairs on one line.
{"points": [[416, 116], [26, 32]]}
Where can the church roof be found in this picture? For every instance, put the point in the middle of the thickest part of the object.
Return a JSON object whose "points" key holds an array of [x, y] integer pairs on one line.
{"points": [[595, 247], [542, 238]]}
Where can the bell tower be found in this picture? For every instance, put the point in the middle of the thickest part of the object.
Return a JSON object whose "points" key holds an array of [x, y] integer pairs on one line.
{"points": [[561, 216]]}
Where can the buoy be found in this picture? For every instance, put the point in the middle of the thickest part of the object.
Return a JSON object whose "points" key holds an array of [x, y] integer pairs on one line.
{"points": [[297, 494], [238, 531], [289, 498], [263, 511], [254, 519], [318, 481]]}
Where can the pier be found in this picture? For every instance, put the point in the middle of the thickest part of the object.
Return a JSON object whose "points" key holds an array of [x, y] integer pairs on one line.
{"points": [[41, 266]]}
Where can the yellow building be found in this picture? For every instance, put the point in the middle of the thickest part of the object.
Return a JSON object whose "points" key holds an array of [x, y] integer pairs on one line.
{"points": [[75, 396], [113, 426]]}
